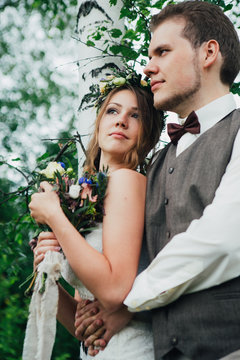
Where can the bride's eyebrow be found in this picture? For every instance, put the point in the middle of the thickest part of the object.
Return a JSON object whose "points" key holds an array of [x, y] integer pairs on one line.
{"points": [[117, 104], [114, 103]]}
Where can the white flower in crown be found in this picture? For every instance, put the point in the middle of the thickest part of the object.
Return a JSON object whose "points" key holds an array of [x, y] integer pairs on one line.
{"points": [[144, 83], [74, 191], [119, 81], [50, 170]]}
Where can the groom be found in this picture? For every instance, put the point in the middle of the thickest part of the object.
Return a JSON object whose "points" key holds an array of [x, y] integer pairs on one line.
{"points": [[192, 226]]}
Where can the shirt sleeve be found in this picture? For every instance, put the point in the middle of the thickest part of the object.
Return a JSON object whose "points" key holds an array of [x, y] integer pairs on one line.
{"points": [[207, 254]]}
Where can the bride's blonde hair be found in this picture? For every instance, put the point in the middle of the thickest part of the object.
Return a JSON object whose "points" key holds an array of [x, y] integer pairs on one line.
{"points": [[151, 125]]}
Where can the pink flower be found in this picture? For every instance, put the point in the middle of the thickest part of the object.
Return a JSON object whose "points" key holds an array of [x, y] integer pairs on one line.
{"points": [[87, 191]]}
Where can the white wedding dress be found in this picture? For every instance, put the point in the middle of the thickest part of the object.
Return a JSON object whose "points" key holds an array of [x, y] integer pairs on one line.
{"points": [[135, 341]]}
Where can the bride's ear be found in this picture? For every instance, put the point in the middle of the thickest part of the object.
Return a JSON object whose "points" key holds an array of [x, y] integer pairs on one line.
{"points": [[211, 53]]}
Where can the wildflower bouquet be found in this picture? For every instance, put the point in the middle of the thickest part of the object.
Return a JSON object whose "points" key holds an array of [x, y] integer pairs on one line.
{"points": [[81, 199]]}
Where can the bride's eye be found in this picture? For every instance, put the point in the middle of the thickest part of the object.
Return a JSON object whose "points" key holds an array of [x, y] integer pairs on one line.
{"points": [[135, 115], [111, 111]]}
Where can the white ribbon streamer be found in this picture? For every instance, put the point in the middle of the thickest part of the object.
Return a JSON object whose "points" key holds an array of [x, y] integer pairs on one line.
{"points": [[41, 325]]}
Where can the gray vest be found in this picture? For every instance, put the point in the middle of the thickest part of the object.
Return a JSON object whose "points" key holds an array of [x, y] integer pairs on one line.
{"points": [[204, 325]]}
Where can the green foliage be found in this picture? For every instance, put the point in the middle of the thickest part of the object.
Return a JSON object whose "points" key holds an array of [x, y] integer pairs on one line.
{"points": [[235, 89]]}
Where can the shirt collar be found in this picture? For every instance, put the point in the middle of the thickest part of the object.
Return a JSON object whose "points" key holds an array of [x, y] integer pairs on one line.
{"points": [[213, 112]]}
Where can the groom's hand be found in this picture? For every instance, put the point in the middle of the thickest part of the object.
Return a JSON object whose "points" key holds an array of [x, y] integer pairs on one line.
{"points": [[96, 325], [86, 322]]}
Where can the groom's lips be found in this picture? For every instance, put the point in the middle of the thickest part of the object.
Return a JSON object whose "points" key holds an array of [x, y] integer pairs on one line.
{"points": [[155, 84]]}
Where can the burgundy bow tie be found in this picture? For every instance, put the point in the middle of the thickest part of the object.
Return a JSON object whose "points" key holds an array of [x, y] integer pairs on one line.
{"points": [[176, 131]]}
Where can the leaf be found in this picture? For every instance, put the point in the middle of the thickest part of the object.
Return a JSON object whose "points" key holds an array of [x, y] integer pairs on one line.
{"points": [[59, 177], [228, 7], [129, 53], [115, 49], [97, 36], [159, 4], [132, 15], [16, 159], [116, 33], [131, 34], [113, 2], [90, 43], [43, 157], [235, 89], [80, 210]]}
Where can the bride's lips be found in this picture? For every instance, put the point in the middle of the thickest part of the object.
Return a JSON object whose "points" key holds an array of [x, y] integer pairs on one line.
{"points": [[118, 135], [155, 84]]}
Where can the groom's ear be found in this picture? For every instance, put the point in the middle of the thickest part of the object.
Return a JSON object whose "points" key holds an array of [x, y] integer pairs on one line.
{"points": [[210, 53]]}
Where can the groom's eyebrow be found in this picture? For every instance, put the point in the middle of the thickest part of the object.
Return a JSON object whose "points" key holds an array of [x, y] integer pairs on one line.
{"points": [[158, 50]]}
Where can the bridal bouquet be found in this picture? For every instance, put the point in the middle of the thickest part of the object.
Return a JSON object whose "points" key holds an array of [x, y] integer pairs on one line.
{"points": [[81, 199]]}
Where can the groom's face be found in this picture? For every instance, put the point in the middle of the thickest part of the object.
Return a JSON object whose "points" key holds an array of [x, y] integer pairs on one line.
{"points": [[173, 67]]}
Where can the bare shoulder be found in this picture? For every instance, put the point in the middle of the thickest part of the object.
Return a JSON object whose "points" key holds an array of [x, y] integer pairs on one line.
{"points": [[127, 189], [127, 177]]}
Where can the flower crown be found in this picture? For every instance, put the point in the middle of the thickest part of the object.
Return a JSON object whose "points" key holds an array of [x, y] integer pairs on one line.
{"points": [[99, 92]]}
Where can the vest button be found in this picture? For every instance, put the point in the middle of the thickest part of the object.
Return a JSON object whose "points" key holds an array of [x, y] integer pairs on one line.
{"points": [[168, 234], [166, 201], [171, 170], [174, 340]]}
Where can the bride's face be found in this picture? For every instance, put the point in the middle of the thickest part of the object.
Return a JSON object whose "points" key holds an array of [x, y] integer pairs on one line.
{"points": [[120, 124]]}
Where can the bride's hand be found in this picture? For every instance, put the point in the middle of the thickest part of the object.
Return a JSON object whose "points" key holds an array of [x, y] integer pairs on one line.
{"points": [[46, 241], [44, 204]]}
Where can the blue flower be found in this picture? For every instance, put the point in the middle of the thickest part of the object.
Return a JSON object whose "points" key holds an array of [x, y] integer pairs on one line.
{"points": [[84, 180], [81, 180], [62, 164]]}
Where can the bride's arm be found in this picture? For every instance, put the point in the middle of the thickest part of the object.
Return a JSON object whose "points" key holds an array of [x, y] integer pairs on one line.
{"points": [[109, 276], [67, 306]]}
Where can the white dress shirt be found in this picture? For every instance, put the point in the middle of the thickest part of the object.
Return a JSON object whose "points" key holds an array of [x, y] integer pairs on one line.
{"points": [[208, 252]]}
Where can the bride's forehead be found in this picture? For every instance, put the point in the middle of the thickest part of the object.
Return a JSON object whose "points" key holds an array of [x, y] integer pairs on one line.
{"points": [[125, 96]]}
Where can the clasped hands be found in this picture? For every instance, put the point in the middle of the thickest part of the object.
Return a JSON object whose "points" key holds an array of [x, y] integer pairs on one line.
{"points": [[95, 325]]}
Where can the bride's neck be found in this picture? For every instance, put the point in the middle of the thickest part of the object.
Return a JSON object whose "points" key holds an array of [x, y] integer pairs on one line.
{"points": [[110, 163]]}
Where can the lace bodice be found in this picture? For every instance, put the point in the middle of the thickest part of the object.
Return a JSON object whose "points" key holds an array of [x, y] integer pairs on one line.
{"points": [[95, 240]]}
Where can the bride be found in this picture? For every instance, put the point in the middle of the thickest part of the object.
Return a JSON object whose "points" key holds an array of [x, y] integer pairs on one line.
{"points": [[104, 264]]}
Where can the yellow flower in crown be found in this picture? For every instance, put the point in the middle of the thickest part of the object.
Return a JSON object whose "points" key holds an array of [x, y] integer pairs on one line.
{"points": [[102, 86], [144, 83]]}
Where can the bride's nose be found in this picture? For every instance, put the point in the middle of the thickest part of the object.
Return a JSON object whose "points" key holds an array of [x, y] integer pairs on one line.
{"points": [[122, 121]]}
